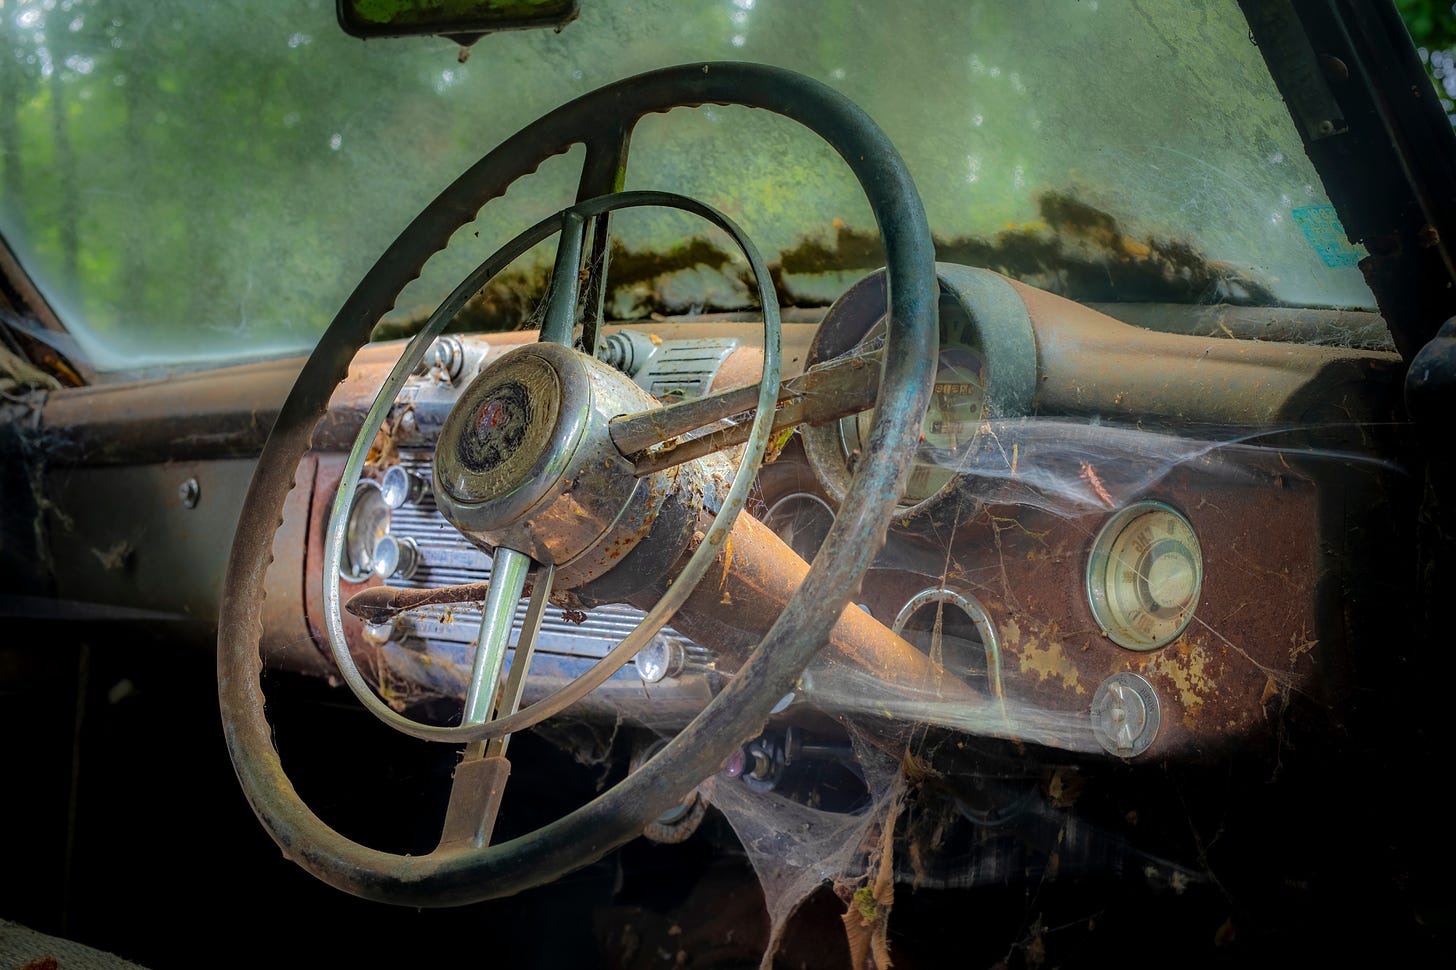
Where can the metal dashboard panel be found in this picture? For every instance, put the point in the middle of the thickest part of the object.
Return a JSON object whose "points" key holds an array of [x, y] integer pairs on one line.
{"points": [[163, 560], [428, 653], [1263, 628]]}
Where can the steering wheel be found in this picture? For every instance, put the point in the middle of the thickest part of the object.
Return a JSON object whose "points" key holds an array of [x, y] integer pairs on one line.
{"points": [[464, 871]]}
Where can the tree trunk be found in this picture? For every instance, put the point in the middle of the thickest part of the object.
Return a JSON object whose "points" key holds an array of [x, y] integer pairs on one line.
{"points": [[11, 181], [65, 160]]}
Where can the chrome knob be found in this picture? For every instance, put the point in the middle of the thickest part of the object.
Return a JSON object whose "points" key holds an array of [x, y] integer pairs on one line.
{"points": [[402, 487], [445, 359], [664, 657], [396, 557]]}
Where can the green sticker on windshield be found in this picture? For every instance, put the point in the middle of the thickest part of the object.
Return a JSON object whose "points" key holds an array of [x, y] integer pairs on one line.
{"points": [[1322, 228]]}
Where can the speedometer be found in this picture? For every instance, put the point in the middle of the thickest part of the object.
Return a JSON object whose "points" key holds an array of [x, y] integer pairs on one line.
{"points": [[985, 371], [957, 409]]}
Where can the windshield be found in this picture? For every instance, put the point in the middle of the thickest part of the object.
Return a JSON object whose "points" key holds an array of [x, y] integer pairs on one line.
{"points": [[203, 182]]}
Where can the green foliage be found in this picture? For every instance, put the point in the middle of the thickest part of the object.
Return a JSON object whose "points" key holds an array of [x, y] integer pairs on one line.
{"points": [[1432, 23]]}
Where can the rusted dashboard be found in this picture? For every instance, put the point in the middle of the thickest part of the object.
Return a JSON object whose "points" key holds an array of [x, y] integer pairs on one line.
{"points": [[1247, 455], [1203, 448]]}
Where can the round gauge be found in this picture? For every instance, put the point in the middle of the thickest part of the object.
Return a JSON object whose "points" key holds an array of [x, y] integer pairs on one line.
{"points": [[369, 519], [1145, 575], [957, 409], [402, 487], [986, 370], [802, 520]]}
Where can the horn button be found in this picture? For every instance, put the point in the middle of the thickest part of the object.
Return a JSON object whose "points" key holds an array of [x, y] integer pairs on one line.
{"points": [[525, 460], [503, 427]]}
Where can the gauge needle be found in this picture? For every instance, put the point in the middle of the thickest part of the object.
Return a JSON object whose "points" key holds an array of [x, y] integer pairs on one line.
{"points": [[947, 424]]}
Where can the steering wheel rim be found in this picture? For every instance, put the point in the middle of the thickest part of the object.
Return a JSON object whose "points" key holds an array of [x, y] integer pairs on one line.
{"points": [[618, 815]]}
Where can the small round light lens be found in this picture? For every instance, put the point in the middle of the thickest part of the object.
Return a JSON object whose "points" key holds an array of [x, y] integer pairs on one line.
{"points": [[662, 658], [396, 557]]}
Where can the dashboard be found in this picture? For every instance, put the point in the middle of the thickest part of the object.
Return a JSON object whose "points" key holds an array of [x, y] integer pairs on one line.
{"points": [[1122, 541], [1122, 551], [1138, 566]]}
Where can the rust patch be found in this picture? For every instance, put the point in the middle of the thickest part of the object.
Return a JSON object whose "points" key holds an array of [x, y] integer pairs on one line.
{"points": [[1064, 787], [1188, 668], [1042, 655]]}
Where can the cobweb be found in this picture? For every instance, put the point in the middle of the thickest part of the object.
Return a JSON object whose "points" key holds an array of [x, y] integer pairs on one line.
{"points": [[796, 849]]}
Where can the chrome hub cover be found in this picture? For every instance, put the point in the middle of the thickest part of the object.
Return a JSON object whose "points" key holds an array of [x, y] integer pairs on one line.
{"points": [[525, 460]]}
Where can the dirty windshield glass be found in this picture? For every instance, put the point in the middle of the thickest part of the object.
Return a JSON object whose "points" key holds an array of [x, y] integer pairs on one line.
{"points": [[192, 183]]}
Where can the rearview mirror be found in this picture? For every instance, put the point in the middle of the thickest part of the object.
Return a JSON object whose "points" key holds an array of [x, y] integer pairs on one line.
{"points": [[457, 19]]}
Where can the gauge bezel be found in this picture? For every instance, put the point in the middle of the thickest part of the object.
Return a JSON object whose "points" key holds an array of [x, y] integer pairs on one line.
{"points": [[366, 490], [1096, 583], [999, 328], [968, 604], [796, 496]]}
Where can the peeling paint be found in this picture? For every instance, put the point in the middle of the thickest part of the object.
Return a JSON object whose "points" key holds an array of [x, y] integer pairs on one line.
{"points": [[1042, 656], [1187, 667]]}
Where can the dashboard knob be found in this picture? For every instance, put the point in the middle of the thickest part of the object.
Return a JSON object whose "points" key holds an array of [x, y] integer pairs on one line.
{"points": [[402, 487], [398, 557], [664, 657]]}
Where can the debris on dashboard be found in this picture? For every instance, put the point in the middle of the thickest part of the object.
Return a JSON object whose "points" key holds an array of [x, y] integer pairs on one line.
{"points": [[1114, 556]]}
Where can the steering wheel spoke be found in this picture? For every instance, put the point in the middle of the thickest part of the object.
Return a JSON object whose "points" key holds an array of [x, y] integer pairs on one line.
{"points": [[560, 324], [510, 695], [480, 778], [660, 438], [508, 580], [603, 172], [475, 799]]}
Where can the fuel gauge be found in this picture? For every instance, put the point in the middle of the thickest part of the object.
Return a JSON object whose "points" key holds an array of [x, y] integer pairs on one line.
{"points": [[1145, 575]]}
